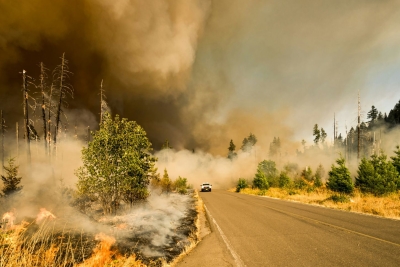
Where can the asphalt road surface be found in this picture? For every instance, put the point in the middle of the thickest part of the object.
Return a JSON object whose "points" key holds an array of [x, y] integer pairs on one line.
{"points": [[260, 231]]}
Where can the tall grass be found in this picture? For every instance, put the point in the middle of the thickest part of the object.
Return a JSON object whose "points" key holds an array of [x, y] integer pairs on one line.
{"points": [[33, 245], [386, 206]]}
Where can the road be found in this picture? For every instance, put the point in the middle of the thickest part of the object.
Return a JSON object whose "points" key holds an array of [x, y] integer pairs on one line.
{"points": [[260, 231]]}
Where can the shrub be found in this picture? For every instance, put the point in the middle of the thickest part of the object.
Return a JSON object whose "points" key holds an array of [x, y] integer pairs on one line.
{"points": [[339, 178], [284, 180], [339, 198], [307, 174], [166, 183], [319, 173], [242, 184], [377, 176], [260, 180], [180, 185], [299, 184], [268, 167]]}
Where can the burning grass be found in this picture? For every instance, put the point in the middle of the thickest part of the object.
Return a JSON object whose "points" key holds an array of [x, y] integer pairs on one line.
{"points": [[387, 206], [148, 235]]}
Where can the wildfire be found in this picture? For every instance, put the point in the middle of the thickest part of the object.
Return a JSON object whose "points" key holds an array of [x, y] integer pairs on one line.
{"points": [[8, 219], [44, 214]]}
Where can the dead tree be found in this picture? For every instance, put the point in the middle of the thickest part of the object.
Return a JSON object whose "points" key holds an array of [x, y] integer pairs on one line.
{"points": [[48, 140], [26, 115], [42, 85], [103, 103], [61, 73]]}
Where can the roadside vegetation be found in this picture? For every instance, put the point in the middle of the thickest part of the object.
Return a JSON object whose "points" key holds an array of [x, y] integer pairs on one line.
{"points": [[375, 190]]}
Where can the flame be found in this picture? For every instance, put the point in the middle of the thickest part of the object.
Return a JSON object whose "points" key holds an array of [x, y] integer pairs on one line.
{"points": [[104, 256], [102, 253], [44, 214], [8, 218]]}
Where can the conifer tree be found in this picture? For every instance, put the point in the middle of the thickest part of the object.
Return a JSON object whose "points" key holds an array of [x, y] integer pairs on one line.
{"points": [[339, 178], [377, 175], [11, 180], [316, 134], [231, 150]]}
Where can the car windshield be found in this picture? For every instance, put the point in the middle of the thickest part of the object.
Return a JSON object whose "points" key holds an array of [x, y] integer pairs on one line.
{"points": [[206, 184]]}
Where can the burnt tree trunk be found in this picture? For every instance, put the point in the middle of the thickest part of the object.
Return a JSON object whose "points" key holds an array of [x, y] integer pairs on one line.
{"points": [[42, 88], [26, 115], [61, 91]]}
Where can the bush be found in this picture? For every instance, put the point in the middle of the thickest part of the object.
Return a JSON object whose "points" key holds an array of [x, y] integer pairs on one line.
{"points": [[307, 174], [339, 178], [166, 183], [268, 167], [242, 184], [260, 180], [180, 185], [377, 176], [299, 184], [284, 180], [339, 198], [319, 173]]}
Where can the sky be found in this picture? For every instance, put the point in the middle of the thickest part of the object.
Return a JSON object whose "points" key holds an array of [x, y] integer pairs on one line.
{"points": [[202, 72]]}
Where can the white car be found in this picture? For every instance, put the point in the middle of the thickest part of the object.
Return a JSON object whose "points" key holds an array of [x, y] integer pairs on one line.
{"points": [[206, 187]]}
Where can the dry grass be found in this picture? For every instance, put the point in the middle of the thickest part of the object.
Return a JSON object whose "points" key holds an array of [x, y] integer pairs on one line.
{"points": [[387, 206], [32, 245]]}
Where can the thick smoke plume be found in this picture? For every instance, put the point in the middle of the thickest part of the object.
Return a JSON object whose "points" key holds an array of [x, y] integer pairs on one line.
{"points": [[200, 73]]}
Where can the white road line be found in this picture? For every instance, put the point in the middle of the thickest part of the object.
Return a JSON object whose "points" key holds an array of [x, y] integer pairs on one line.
{"points": [[238, 261]]}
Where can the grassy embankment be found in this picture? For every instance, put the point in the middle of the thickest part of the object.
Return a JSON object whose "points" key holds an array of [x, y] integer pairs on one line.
{"points": [[386, 206]]}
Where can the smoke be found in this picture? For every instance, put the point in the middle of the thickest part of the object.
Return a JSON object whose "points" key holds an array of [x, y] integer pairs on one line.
{"points": [[200, 73]]}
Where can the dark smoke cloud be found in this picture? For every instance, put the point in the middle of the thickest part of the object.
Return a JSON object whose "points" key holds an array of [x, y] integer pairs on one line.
{"points": [[200, 73]]}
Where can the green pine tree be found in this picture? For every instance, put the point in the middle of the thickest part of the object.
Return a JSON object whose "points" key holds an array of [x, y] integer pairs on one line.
{"points": [[316, 134], [231, 150], [339, 178], [11, 181], [377, 175]]}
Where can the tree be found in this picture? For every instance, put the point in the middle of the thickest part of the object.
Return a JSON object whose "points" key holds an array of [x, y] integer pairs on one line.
{"points": [[231, 150], [268, 167], [319, 174], [307, 174], [339, 178], [284, 180], [242, 184], [166, 145], [117, 164], [260, 180], [373, 114], [377, 175], [61, 73], [166, 183], [11, 181], [248, 142], [396, 161], [180, 185], [316, 134], [323, 135], [274, 147]]}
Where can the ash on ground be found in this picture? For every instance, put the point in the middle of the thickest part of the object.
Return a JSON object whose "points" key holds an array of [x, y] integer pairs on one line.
{"points": [[156, 230]]}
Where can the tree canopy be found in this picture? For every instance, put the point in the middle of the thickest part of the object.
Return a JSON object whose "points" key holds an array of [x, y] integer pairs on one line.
{"points": [[339, 178], [377, 175], [117, 164], [11, 180]]}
